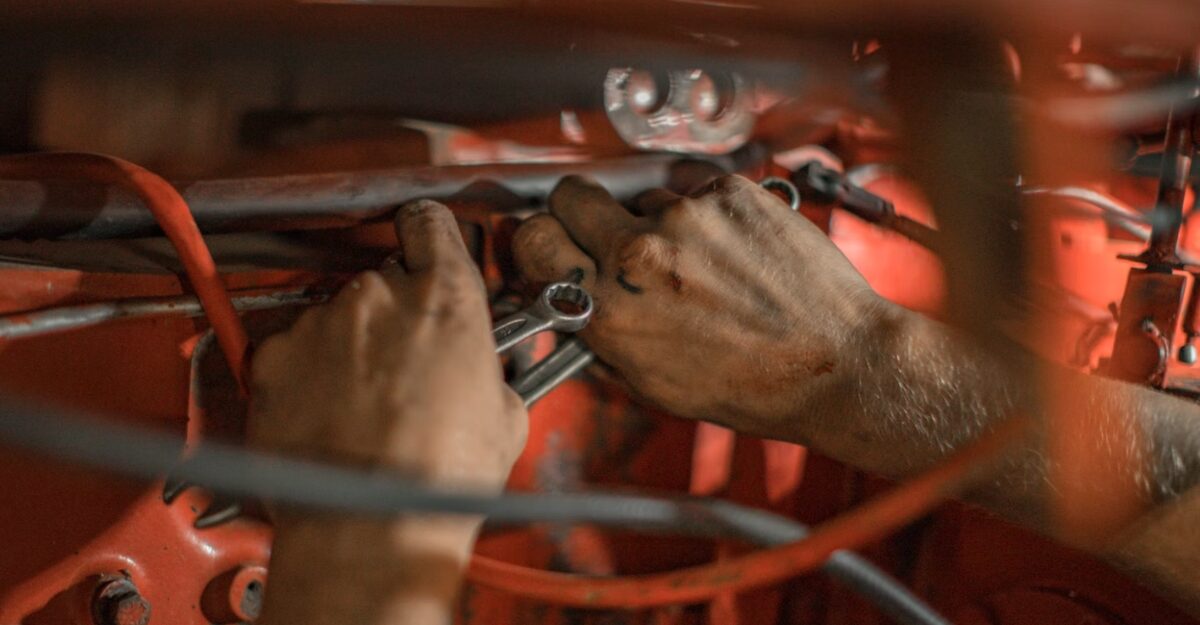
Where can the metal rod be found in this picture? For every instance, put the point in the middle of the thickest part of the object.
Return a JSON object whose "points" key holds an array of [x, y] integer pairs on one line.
{"points": [[70, 210], [1167, 218], [51, 320]]}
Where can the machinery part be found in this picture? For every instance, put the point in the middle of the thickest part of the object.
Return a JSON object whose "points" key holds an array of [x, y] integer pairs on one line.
{"points": [[789, 190], [51, 208], [118, 602], [829, 186], [236, 596], [1191, 326], [700, 113], [1112, 210], [223, 468], [565, 361], [545, 315], [1161, 343], [171, 212], [61, 319], [1174, 178], [1126, 110], [1150, 306]]}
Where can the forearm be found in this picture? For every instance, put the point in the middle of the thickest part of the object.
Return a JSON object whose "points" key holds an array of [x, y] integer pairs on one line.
{"points": [[918, 391], [331, 571]]}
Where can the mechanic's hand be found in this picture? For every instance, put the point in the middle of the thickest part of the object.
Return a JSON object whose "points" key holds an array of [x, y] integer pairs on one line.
{"points": [[398, 371], [727, 306]]}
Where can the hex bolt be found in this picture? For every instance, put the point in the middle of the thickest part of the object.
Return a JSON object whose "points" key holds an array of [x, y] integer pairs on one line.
{"points": [[118, 602]]}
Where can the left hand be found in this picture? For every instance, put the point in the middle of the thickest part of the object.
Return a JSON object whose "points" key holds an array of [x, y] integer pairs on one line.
{"points": [[399, 371]]}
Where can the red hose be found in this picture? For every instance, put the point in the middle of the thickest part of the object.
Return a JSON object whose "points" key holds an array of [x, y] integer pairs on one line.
{"points": [[175, 219], [863, 525]]}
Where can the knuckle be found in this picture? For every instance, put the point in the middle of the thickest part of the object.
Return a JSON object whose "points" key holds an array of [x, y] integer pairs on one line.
{"points": [[682, 214], [366, 290], [532, 239], [732, 184], [441, 292], [644, 250]]}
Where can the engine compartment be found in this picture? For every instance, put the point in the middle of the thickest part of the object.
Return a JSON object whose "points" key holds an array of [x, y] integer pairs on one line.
{"points": [[293, 132]]}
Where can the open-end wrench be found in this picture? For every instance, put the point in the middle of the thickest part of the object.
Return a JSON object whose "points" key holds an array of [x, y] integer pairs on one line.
{"points": [[547, 314]]}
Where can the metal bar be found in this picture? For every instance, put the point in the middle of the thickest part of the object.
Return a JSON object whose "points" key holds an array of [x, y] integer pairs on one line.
{"points": [[570, 358], [1167, 218], [71, 210], [52, 320]]}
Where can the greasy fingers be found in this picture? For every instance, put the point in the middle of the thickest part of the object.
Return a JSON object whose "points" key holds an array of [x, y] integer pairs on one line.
{"points": [[589, 213], [723, 305], [440, 271], [429, 235], [398, 370], [545, 253]]}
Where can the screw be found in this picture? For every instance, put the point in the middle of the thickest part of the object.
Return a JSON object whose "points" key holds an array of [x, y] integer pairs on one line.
{"points": [[118, 602]]}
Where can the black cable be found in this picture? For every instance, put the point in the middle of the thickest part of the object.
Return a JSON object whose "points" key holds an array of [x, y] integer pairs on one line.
{"points": [[231, 470]]}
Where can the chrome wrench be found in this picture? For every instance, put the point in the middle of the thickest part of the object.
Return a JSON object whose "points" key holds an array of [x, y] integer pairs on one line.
{"points": [[546, 315]]}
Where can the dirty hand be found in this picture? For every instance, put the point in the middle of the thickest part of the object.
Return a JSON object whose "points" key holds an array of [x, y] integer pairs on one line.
{"points": [[726, 306], [398, 371]]}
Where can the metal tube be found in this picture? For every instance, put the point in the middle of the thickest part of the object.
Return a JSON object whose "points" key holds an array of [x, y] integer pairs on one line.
{"points": [[71, 210], [1167, 218], [25, 325]]}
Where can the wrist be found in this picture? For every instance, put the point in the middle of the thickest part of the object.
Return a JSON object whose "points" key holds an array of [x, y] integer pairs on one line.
{"points": [[827, 404], [328, 569]]}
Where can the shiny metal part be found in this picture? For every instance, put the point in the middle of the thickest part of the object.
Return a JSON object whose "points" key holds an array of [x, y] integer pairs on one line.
{"points": [[789, 190], [545, 315], [690, 111], [51, 320], [70, 210], [1115, 212], [570, 358]]}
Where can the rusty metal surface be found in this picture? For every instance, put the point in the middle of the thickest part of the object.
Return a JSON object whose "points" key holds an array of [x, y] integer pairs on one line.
{"points": [[56, 209], [62, 319]]}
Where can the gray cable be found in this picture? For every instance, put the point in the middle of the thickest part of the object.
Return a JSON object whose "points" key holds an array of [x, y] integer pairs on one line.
{"points": [[232, 470]]}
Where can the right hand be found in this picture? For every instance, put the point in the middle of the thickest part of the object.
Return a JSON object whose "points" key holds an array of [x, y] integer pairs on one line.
{"points": [[727, 306]]}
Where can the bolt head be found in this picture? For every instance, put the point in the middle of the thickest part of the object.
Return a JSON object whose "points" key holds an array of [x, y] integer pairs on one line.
{"points": [[118, 602], [1188, 354]]}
